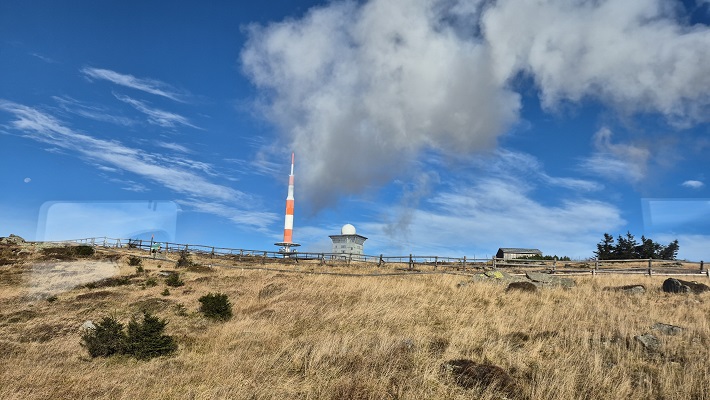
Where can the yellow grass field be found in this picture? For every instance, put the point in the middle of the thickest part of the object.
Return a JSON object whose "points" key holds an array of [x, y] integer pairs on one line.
{"points": [[297, 334]]}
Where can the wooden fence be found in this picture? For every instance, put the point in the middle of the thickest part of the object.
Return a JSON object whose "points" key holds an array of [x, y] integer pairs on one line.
{"points": [[413, 262]]}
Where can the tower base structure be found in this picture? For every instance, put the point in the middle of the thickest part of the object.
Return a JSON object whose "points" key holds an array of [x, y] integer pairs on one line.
{"points": [[286, 248]]}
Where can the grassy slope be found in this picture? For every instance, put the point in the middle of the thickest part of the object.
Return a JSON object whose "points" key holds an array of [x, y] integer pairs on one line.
{"points": [[298, 335]]}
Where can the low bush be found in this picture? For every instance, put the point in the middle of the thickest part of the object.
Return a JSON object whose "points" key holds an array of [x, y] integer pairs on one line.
{"points": [[68, 252], [165, 292], [146, 340], [143, 340], [185, 260], [150, 282], [135, 261], [106, 339], [84, 251], [174, 280], [216, 306]]}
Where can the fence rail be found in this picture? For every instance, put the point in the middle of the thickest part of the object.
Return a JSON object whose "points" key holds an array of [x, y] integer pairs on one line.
{"points": [[413, 262]]}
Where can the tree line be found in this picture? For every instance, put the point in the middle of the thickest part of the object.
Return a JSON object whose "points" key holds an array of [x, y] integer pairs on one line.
{"points": [[627, 248]]}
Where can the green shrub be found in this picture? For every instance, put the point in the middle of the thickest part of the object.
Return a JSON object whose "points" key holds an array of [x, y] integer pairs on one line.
{"points": [[216, 306], [84, 251], [174, 280], [135, 261], [106, 339], [140, 269], [184, 260], [150, 282], [146, 340], [180, 310], [67, 252], [165, 292]]}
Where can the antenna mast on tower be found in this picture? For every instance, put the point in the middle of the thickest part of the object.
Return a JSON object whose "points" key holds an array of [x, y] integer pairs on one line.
{"points": [[285, 246]]}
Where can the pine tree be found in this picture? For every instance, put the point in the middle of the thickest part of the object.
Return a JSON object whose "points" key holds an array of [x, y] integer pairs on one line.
{"points": [[146, 339], [605, 247], [670, 252]]}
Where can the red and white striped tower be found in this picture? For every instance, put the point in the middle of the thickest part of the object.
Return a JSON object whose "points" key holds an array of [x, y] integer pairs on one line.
{"points": [[288, 222]]}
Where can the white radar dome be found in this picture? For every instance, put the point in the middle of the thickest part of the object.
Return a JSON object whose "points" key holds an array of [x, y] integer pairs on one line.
{"points": [[347, 229]]}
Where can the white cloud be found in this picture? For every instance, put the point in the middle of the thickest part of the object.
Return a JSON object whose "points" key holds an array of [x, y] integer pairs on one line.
{"points": [[365, 88], [504, 162], [177, 175], [693, 184], [97, 113], [156, 116], [636, 56], [258, 219], [617, 161], [173, 146], [477, 218], [151, 86]]}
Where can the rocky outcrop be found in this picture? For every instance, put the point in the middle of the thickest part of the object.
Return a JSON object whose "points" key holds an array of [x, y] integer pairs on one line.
{"points": [[551, 280], [672, 285], [12, 240], [630, 289], [667, 329], [648, 341], [522, 286]]}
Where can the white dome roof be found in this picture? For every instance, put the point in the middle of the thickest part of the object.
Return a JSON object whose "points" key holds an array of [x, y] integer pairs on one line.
{"points": [[347, 229]]}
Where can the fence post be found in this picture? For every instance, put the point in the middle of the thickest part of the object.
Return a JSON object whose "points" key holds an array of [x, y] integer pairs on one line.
{"points": [[379, 263], [494, 263], [263, 259], [105, 246], [212, 255], [167, 249], [350, 257], [118, 243], [464, 263], [411, 262], [596, 266], [554, 266], [140, 244], [701, 266], [436, 262], [650, 262], [322, 259]]}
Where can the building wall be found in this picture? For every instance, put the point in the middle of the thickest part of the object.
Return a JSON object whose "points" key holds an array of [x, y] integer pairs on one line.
{"points": [[512, 256], [348, 244]]}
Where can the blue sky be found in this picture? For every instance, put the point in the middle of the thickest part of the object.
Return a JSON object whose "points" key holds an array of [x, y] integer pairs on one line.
{"points": [[443, 127]]}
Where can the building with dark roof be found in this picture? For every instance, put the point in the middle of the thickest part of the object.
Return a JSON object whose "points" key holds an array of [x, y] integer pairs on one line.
{"points": [[510, 253]]}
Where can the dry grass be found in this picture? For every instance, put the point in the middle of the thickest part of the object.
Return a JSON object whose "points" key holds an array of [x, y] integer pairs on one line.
{"points": [[296, 335]]}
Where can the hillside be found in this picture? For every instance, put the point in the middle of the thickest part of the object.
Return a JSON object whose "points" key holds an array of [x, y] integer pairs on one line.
{"points": [[297, 333]]}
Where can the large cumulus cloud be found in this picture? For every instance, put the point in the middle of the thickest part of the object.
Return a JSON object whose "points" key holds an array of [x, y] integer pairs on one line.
{"points": [[361, 89]]}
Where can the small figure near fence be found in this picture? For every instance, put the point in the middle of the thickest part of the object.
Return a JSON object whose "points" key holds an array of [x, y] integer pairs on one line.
{"points": [[155, 249]]}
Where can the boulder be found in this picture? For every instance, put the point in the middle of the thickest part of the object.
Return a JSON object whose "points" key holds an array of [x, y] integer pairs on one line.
{"points": [[630, 289], [12, 240], [672, 285], [695, 287], [469, 374], [667, 329], [648, 341], [551, 280], [88, 324], [522, 286]]}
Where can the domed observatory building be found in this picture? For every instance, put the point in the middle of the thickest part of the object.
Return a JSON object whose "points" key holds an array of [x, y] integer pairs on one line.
{"points": [[348, 242]]}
